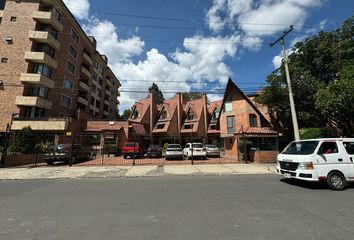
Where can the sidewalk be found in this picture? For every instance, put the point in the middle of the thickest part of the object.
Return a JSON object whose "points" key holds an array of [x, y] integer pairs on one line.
{"points": [[65, 172]]}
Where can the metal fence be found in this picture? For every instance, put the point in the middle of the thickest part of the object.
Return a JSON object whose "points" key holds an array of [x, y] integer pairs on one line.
{"points": [[31, 149]]}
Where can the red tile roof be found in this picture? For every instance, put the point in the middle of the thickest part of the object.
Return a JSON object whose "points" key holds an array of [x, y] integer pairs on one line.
{"points": [[213, 105]]}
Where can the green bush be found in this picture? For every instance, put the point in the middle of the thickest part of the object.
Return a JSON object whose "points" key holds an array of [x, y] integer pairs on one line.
{"points": [[165, 146], [311, 133]]}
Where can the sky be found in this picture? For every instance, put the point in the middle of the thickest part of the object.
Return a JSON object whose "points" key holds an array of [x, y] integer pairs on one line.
{"points": [[196, 45]]}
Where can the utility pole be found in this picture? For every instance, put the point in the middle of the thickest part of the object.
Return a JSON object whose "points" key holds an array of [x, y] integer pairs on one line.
{"points": [[291, 97]]}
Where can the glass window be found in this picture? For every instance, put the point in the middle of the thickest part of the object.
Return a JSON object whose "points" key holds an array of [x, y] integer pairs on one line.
{"points": [[349, 147], [228, 107], [163, 115], [230, 124], [33, 112], [216, 114], [253, 120], [72, 51], [38, 91], [42, 69], [328, 148], [190, 114], [66, 101], [301, 148], [43, 47], [74, 36], [70, 67], [68, 84]]}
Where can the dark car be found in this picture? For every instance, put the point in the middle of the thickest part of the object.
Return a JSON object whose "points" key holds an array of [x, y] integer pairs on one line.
{"points": [[154, 151], [64, 152], [133, 149]]}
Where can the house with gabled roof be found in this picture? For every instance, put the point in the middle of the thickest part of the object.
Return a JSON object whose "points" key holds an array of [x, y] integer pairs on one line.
{"points": [[247, 134]]}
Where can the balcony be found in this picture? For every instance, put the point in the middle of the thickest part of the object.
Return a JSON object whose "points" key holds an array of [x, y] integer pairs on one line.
{"points": [[106, 113], [47, 18], [33, 102], [85, 71], [41, 57], [94, 108], [41, 124], [108, 92], [1, 13], [82, 101], [36, 79], [86, 58], [44, 37], [84, 86]]}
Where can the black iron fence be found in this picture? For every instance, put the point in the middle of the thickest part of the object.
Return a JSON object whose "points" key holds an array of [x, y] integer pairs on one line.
{"points": [[31, 149]]}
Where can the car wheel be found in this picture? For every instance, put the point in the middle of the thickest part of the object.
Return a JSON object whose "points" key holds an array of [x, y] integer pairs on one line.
{"points": [[336, 181], [50, 162], [124, 156]]}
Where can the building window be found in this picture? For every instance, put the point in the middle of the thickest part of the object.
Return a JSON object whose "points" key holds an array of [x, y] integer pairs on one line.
{"points": [[74, 36], [231, 124], [34, 112], [215, 115], [4, 60], [253, 120], [68, 84], [66, 101], [160, 126], [228, 107], [190, 114], [43, 47], [13, 19], [72, 51], [98, 103], [42, 69], [188, 126], [38, 91], [92, 101], [135, 114], [70, 67], [163, 114], [94, 76]]}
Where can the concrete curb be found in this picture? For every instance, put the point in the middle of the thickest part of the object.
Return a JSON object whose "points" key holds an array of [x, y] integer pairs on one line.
{"points": [[64, 173]]}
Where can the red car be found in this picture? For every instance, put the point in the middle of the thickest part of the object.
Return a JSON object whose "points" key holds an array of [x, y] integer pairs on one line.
{"points": [[133, 148]]}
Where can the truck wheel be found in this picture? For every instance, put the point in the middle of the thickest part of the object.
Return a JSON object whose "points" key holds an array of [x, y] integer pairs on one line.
{"points": [[336, 181]]}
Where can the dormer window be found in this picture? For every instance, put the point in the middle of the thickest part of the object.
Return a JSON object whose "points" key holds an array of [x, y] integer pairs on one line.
{"points": [[190, 114], [215, 115], [253, 120], [135, 114], [164, 114]]}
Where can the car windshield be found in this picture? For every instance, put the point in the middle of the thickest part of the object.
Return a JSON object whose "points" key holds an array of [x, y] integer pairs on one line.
{"points": [[211, 146], [197, 145], [154, 147], [301, 148], [174, 146]]}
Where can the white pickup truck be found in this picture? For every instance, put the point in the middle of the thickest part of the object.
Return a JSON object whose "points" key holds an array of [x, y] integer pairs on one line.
{"points": [[330, 160]]}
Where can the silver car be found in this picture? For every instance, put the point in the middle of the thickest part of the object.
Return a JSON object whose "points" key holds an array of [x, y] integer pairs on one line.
{"points": [[212, 150], [174, 151]]}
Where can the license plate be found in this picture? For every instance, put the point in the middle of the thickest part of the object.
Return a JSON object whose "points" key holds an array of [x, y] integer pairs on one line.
{"points": [[287, 175]]}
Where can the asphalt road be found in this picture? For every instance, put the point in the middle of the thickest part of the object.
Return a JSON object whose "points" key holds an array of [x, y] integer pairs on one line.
{"points": [[224, 207]]}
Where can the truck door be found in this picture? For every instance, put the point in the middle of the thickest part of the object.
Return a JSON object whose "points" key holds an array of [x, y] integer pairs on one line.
{"points": [[349, 148], [332, 157]]}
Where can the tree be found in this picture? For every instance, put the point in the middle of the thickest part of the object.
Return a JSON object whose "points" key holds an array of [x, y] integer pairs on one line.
{"points": [[126, 114], [191, 96], [337, 101], [314, 65], [159, 96], [24, 142]]}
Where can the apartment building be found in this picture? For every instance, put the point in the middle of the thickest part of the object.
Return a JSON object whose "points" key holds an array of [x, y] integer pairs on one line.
{"points": [[50, 70]]}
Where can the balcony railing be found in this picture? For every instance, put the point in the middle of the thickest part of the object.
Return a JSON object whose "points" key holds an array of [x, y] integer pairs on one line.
{"points": [[36, 79], [48, 18], [33, 102], [41, 57]]}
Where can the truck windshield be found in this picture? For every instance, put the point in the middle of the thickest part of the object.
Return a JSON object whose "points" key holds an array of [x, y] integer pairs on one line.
{"points": [[301, 148]]}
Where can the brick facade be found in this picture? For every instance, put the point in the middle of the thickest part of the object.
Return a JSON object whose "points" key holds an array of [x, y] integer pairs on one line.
{"points": [[30, 19]]}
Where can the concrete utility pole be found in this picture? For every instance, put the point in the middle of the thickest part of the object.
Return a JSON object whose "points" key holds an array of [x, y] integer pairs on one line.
{"points": [[291, 97]]}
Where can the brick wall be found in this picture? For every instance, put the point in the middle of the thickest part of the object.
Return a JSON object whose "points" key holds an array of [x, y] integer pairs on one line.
{"points": [[264, 156]]}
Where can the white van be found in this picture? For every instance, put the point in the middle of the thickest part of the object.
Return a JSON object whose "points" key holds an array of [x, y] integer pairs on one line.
{"points": [[330, 160]]}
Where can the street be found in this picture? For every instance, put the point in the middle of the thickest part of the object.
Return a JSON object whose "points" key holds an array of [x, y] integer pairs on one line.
{"points": [[207, 207]]}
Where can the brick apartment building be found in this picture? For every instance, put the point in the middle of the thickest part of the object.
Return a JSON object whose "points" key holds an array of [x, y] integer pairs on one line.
{"points": [[50, 70], [245, 130]]}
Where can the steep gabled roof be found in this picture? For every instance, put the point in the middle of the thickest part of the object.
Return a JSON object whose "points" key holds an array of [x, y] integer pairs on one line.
{"points": [[213, 105], [230, 85], [142, 106]]}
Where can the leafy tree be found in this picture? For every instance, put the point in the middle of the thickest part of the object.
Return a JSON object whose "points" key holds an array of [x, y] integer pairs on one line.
{"points": [[159, 96], [24, 142], [314, 66], [337, 101], [126, 114], [189, 96]]}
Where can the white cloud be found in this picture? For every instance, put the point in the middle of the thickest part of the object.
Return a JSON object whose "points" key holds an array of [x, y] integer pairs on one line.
{"points": [[79, 8], [277, 60]]}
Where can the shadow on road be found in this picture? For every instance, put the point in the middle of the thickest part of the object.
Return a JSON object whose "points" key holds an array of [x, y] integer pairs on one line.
{"points": [[310, 185]]}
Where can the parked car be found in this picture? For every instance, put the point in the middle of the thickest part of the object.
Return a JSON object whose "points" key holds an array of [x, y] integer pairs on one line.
{"points": [[212, 150], [330, 160], [64, 152], [195, 151], [154, 151], [174, 151], [133, 149]]}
